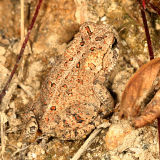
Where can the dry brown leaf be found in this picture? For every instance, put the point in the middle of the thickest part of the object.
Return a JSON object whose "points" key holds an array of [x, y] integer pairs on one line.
{"points": [[140, 86]]}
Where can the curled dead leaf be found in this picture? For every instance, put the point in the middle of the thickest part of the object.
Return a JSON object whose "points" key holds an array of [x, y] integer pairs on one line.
{"points": [[142, 85]]}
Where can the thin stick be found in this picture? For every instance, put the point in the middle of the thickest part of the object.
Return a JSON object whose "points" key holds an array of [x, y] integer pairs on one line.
{"points": [[147, 34], [3, 93], [144, 4], [22, 21], [2, 135], [19, 150], [159, 134], [155, 8], [89, 141]]}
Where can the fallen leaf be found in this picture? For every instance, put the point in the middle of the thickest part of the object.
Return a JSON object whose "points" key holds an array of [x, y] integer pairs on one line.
{"points": [[141, 86]]}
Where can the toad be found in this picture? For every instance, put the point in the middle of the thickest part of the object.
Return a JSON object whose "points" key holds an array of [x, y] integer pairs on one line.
{"points": [[73, 97]]}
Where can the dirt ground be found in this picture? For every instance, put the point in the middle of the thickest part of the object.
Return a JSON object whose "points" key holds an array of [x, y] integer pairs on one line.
{"points": [[58, 21]]}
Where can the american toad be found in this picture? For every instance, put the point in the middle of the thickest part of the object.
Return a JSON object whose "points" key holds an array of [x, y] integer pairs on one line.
{"points": [[73, 98]]}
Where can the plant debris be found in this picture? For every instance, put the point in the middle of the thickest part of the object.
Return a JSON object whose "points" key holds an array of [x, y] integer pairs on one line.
{"points": [[143, 84]]}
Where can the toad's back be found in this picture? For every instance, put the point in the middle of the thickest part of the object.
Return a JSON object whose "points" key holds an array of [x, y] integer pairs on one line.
{"points": [[69, 102]]}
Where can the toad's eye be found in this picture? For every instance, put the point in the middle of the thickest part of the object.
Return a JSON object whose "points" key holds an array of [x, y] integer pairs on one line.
{"points": [[114, 44]]}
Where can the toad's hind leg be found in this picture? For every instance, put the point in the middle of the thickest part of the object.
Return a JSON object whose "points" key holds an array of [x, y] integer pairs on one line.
{"points": [[30, 130], [29, 118], [77, 121]]}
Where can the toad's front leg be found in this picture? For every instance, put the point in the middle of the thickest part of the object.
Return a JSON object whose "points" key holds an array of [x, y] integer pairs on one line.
{"points": [[101, 92]]}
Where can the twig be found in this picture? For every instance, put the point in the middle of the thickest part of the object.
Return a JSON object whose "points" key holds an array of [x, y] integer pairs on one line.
{"points": [[19, 150], [147, 34], [3, 93], [154, 8], [3, 142], [89, 141], [22, 21]]}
